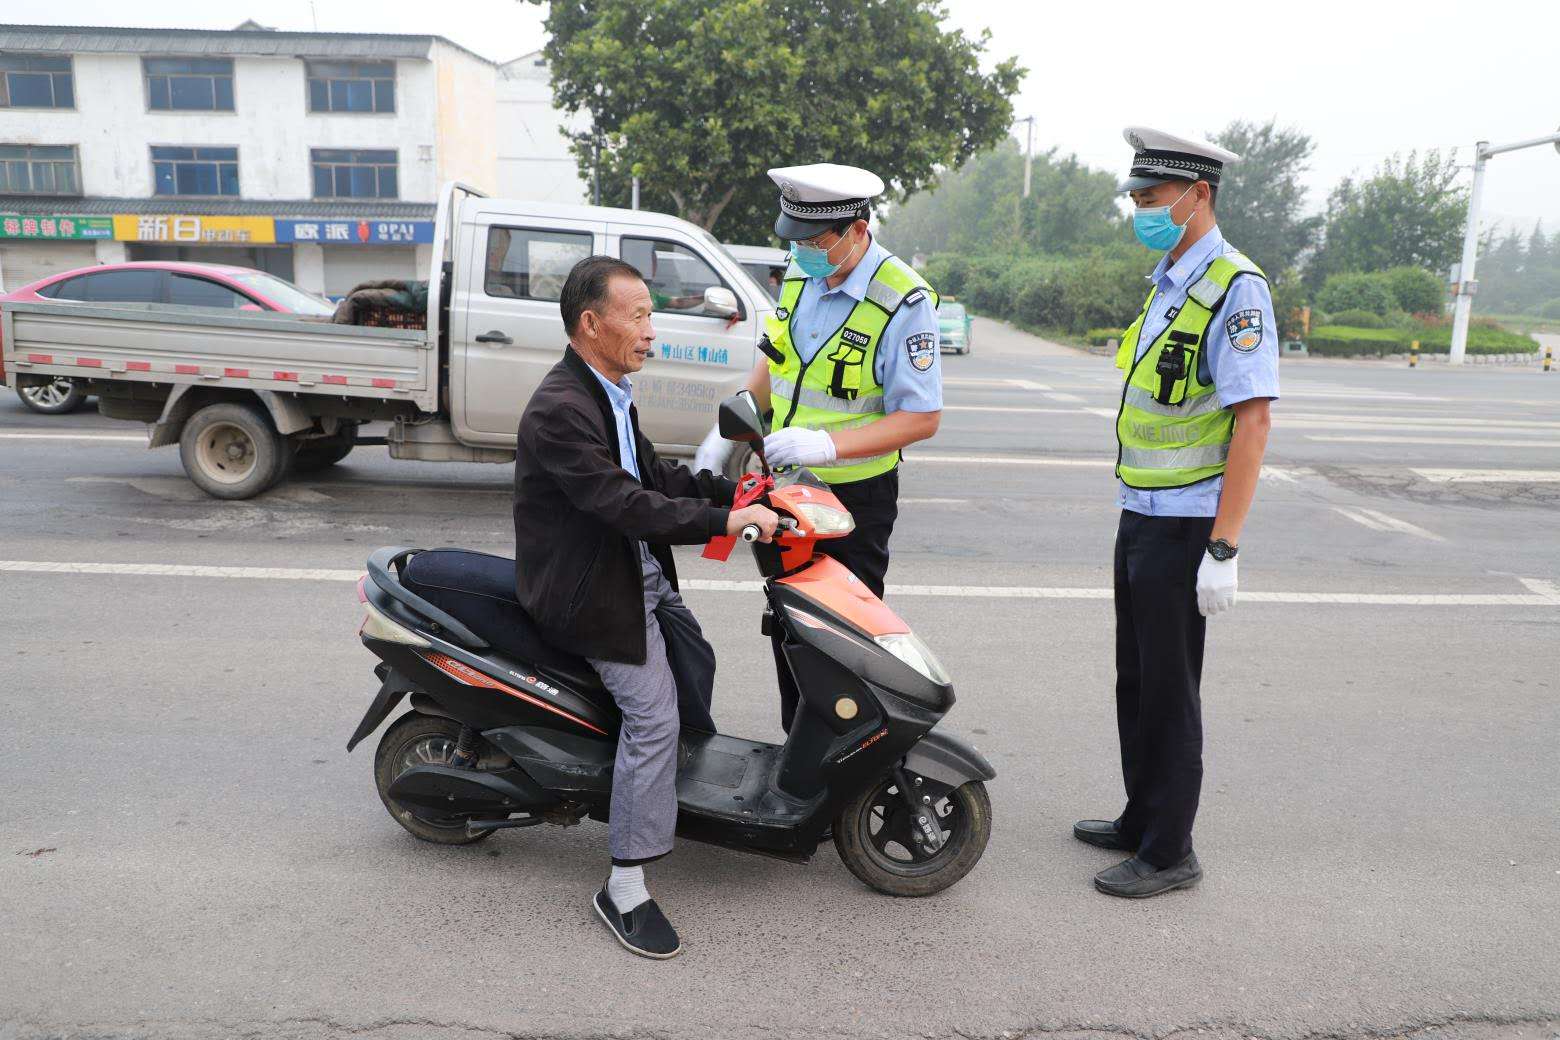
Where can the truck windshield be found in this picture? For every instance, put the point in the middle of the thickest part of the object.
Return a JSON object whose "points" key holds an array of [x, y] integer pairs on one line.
{"points": [[285, 294]]}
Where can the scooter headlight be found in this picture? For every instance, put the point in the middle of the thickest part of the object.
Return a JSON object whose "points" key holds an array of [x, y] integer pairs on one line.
{"points": [[377, 626], [826, 519], [907, 646]]}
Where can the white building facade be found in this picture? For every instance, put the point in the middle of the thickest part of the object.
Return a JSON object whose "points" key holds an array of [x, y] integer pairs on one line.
{"points": [[534, 161], [316, 156]]}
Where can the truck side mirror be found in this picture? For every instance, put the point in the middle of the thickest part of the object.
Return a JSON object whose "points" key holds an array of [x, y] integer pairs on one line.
{"points": [[720, 302]]}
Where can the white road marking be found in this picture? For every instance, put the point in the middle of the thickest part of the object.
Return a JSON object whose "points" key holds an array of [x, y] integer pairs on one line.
{"points": [[1426, 421], [1104, 413], [1490, 476], [1070, 398], [933, 501], [1378, 521], [1543, 594], [1459, 442], [1027, 384], [133, 438]]}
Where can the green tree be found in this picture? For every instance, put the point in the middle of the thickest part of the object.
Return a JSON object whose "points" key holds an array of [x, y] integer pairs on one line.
{"points": [[1417, 290], [980, 208], [1354, 291], [1409, 212], [698, 98], [1262, 198]]}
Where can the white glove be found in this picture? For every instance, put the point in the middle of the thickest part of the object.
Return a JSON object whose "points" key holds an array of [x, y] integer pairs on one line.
{"points": [[1216, 581], [795, 446], [714, 452]]}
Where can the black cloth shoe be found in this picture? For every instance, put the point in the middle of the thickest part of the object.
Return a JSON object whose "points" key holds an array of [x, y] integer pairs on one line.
{"points": [[1138, 879], [643, 930], [1104, 833]]}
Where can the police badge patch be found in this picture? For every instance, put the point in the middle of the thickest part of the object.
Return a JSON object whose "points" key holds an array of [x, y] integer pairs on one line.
{"points": [[922, 349], [1245, 329], [782, 313]]}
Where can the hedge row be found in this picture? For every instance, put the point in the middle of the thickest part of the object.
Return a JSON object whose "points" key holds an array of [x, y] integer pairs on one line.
{"points": [[1074, 294], [1343, 341]]}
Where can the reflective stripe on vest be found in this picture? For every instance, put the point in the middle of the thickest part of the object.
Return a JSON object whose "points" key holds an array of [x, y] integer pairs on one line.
{"points": [[1171, 431], [837, 388]]}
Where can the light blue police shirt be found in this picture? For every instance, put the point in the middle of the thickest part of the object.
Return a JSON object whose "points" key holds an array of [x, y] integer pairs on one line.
{"points": [[621, 395], [1237, 375], [820, 311]]}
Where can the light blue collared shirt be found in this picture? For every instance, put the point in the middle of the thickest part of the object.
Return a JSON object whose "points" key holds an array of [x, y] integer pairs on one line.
{"points": [[621, 395], [1238, 374], [820, 311]]}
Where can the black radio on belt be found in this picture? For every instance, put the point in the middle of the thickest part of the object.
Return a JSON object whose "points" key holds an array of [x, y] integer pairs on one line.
{"points": [[1171, 366]]}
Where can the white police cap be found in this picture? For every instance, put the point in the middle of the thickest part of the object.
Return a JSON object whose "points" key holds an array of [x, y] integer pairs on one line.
{"points": [[813, 197], [1162, 156]]}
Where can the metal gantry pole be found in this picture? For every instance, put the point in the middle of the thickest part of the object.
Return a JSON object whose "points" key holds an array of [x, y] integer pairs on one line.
{"points": [[1029, 153], [1462, 309]]}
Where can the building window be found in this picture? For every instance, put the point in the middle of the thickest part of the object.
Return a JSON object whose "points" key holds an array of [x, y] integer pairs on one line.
{"points": [[354, 174], [35, 81], [35, 169], [194, 171], [189, 84], [351, 86]]}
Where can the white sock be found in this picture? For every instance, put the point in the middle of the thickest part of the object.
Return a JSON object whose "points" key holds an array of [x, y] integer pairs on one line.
{"points": [[626, 888]]}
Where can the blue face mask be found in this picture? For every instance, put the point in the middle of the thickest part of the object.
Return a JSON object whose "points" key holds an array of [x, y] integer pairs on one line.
{"points": [[1156, 229], [813, 261]]}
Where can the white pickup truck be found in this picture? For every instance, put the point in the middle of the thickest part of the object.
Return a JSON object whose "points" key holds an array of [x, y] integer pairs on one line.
{"points": [[249, 398]]}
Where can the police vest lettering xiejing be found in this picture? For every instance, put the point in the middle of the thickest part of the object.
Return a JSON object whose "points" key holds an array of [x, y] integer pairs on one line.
{"points": [[1171, 431], [837, 388]]}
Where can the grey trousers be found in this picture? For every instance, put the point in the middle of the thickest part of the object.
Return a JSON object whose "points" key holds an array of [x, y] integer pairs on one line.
{"points": [[644, 775]]}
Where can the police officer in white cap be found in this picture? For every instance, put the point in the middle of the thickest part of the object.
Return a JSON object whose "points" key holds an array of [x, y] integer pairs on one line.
{"points": [[851, 366], [1201, 368]]}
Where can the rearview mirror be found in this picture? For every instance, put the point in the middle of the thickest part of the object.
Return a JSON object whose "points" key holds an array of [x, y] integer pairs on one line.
{"points": [[720, 302], [740, 421]]}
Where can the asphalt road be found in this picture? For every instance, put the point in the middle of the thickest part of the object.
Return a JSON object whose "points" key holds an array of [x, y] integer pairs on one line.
{"points": [[189, 852]]}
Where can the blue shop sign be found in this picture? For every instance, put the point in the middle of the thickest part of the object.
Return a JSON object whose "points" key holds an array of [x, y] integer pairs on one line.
{"points": [[361, 232]]}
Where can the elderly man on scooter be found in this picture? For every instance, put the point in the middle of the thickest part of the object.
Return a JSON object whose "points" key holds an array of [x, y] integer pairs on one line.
{"points": [[596, 512]]}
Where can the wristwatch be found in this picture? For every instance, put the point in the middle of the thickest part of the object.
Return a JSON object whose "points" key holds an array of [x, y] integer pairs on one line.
{"points": [[1222, 550]]}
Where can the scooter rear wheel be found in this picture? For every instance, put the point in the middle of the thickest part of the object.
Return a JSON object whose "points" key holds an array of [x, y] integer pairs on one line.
{"points": [[418, 739], [875, 836]]}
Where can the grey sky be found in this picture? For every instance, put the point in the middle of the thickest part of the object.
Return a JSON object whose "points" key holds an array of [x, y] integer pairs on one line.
{"points": [[1365, 78]]}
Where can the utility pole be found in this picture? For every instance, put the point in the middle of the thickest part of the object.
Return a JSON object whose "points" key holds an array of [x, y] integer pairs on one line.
{"points": [[1029, 152], [635, 204], [1462, 309]]}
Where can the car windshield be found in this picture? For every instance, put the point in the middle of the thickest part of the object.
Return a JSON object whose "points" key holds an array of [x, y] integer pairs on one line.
{"points": [[285, 294], [950, 311]]}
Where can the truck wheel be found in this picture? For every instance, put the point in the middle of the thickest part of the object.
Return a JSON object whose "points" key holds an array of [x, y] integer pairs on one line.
{"points": [[231, 450], [57, 396], [324, 452]]}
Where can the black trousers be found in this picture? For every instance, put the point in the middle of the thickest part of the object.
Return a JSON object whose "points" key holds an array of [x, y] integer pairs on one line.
{"points": [[1159, 658], [874, 504]]}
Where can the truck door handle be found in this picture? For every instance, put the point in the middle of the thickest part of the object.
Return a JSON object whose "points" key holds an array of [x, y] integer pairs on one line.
{"points": [[494, 336]]}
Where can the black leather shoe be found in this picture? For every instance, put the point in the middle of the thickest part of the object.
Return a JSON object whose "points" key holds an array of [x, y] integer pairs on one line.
{"points": [[643, 930], [1104, 833], [1138, 879]]}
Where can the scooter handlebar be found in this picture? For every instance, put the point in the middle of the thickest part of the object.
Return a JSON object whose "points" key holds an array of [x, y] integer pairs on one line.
{"points": [[750, 533]]}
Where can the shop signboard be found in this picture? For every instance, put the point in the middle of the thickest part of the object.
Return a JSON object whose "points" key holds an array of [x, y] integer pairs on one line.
{"points": [[15, 225]]}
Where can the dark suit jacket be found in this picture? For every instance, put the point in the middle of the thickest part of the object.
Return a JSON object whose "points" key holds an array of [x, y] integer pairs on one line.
{"points": [[579, 513]]}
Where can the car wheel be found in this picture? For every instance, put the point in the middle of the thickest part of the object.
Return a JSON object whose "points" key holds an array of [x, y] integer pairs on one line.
{"points": [[58, 396]]}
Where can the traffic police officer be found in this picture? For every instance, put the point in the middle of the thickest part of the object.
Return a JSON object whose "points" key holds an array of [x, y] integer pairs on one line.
{"points": [[1201, 368], [851, 366]]}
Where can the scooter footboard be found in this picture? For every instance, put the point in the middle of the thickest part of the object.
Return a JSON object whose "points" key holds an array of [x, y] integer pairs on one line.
{"points": [[948, 760]]}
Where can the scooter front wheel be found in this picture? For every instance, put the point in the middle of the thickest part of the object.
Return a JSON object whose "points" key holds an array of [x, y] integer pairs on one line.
{"points": [[418, 739], [880, 842]]}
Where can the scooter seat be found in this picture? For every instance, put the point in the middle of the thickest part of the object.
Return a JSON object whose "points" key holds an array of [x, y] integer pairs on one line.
{"points": [[479, 590]]}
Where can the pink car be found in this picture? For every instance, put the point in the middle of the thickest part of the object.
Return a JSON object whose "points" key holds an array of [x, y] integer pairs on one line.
{"points": [[157, 281]]}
